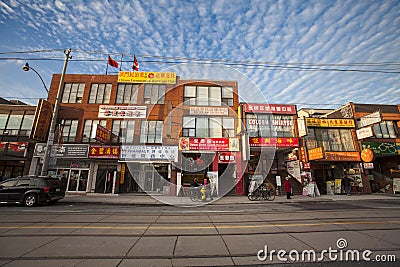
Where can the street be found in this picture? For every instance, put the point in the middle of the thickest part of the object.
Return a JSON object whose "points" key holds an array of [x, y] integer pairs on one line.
{"points": [[335, 233]]}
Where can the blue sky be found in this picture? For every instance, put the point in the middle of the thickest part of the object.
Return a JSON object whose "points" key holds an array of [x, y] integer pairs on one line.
{"points": [[290, 38]]}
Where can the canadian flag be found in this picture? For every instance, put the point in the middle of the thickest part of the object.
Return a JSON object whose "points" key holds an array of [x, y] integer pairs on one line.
{"points": [[135, 65], [112, 62]]}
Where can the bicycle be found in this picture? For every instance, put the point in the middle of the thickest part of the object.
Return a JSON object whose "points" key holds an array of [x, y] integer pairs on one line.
{"points": [[195, 193], [261, 193]]}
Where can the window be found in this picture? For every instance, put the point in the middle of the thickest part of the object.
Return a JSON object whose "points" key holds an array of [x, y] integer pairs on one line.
{"points": [[73, 92], [154, 93], [330, 139], [208, 95], [385, 129], [151, 132], [267, 125], [100, 93], [88, 129], [127, 93], [208, 127], [124, 129], [69, 129], [3, 122]]}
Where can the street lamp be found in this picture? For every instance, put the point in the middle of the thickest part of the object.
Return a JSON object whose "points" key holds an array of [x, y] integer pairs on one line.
{"points": [[50, 138], [26, 67]]}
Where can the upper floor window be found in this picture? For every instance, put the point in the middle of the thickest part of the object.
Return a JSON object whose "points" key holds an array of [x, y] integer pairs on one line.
{"points": [[208, 95], [69, 129], [100, 93], [208, 127], [73, 92], [386, 129], [330, 139], [124, 129], [127, 93], [151, 132], [269, 125], [89, 128], [154, 93], [16, 123]]}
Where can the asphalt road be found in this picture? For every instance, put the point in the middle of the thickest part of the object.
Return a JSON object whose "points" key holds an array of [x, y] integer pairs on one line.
{"points": [[302, 233]]}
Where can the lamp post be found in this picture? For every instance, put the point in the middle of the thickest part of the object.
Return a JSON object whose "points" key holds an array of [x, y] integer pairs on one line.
{"points": [[26, 67], [50, 138]]}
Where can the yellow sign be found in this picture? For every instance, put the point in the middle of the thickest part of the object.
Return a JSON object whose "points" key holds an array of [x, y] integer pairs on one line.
{"points": [[122, 179], [147, 77], [315, 153], [342, 123]]}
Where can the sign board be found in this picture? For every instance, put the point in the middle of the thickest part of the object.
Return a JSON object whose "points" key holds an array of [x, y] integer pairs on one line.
{"points": [[370, 119], [41, 122], [147, 77], [226, 157], [17, 149], [209, 144], [274, 142], [101, 134], [69, 151], [301, 125], [342, 156], [396, 185], [293, 168], [315, 153], [270, 108], [338, 123], [104, 152], [122, 112], [209, 111], [368, 165], [141, 153], [364, 133], [381, 148]]}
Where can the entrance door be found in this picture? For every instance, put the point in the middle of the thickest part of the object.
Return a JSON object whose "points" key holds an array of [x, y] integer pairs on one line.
{"points": [[104, 179], [226, 179], [77, 181]]}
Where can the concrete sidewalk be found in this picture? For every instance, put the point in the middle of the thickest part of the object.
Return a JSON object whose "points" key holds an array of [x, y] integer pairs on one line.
{"points": [[144, 199]]}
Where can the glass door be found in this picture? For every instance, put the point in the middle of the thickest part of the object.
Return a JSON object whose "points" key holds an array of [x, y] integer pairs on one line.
{"points": [[77, 181]]}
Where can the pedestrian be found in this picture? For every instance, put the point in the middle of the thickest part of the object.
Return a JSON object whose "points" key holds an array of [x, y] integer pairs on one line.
{"points": [[208, 189], [346, 185], [288, 188]]}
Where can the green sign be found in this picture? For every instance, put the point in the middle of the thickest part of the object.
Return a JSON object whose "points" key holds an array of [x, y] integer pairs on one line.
{"points": [[381, 148]]}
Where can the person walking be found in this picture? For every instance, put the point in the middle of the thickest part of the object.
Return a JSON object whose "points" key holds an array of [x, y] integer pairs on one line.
{"points": [[346, 184], [288, 188]]}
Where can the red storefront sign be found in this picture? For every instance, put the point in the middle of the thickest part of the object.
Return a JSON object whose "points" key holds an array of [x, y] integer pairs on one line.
{"points": [[271, 142], [104, 152], [14, 148], [271, 108], [102, 134], [213, 144], [226, 157]]}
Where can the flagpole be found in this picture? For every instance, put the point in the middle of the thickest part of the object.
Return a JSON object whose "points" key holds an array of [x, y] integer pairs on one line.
{"points": [[107, 67], [120, 66]]}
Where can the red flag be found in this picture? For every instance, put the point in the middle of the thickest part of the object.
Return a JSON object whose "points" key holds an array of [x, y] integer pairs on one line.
{"points": [[135, 65], [112, 62]]}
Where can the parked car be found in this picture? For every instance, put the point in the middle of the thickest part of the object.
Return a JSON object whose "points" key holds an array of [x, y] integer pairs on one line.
{"points": [[31, 190]]}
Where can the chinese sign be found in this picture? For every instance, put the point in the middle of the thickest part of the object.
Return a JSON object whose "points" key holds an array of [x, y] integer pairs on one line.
{"points": [[213, 144], [102, 134], [315, 153], [271, 142], [370, 119], [342, 156], [122, 112], [318, 122], [104, 152], [211, 111], [64, 151], [271, 108], [14, 148], [147, 77], [226, 157], [138, 153], [381, 148], [42, 119], [364, 133]]}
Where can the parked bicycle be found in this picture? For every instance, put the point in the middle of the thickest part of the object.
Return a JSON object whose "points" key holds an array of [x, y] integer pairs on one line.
{"points": [[195, 193], [260, 193]]}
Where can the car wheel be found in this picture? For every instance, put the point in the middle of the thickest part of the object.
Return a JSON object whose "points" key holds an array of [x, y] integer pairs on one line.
{"points": [[30, 200]]}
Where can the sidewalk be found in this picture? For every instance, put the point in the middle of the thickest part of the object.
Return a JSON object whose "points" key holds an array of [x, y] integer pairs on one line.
{"points": [[144, 199]]}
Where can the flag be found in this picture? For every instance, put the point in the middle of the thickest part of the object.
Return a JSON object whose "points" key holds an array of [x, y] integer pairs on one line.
{"points": [[112, 62], [135, 65]]}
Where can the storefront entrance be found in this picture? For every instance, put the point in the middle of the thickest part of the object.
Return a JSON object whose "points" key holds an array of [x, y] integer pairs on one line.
{"points": [[104, 178], [77, 180], [226, 179]]}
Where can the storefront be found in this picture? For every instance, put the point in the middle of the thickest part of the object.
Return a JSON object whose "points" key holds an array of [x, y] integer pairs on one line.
{"points": [[14, 159], [147, 168]]}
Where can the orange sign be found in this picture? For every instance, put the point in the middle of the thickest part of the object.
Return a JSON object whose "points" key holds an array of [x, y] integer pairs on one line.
{"points": [[367, 155], [342, 123], [315, 153], [342, 156]]}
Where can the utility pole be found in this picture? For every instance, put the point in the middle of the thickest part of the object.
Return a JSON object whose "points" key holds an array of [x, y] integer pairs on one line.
{"points": [[50, 138]]}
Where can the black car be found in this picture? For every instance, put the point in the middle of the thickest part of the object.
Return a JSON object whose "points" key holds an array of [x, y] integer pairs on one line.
{"points": [[31, 190]]}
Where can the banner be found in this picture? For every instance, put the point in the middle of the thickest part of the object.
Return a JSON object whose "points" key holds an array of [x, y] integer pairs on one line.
{"points": [[122, 112], [339, 123], [143, 153], [381, 148], [147, 77], [273, 142], [271, 108], [63, 151], [209, 144], [104, 152]]}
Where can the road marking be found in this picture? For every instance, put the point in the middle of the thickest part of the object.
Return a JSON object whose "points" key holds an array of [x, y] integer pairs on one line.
{"points": [[196, 227]]}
